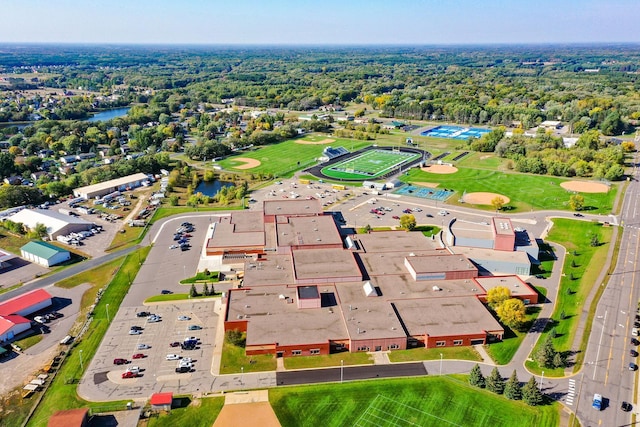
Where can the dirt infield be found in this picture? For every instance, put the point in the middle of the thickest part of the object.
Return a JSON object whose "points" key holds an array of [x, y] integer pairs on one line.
{"points": [[585, 186], [248, 163], [250, 408], [441, 169], [321, 142], [427, 184], [482, 198]]}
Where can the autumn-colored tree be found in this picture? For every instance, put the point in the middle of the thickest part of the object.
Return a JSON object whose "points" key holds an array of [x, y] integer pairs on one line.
{"points": [[497, 203], [408, 222], [576, 202], [497, 295], [512, 313]]}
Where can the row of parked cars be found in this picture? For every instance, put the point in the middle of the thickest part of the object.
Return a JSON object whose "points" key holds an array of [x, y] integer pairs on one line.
{"points": [[46, 318], [76, 238], [182, 236]]}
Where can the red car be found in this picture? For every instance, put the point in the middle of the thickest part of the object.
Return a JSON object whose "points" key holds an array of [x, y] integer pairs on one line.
{"points": [[119, 361], [138, 356], [174, 344], [396, 217], [129, 374]]}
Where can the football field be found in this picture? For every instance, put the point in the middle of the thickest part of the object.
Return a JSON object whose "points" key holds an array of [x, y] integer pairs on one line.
{"points": [[369, 165]]}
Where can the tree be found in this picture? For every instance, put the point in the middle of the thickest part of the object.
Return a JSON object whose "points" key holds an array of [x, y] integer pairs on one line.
{"points": [[475, 377], [558, 360], [546, 353], [7, 165], [39, 231], [595, 241], [494, 382], [496, 296], [367, 229], [193, 292], [576, 202], [531, 394], [512, 313], [497, 203], [235, 337], [205, 289], [408, 222], [512, 389]]}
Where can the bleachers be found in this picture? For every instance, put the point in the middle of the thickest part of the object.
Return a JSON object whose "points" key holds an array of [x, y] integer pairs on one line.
{"points": [[333, 153]]}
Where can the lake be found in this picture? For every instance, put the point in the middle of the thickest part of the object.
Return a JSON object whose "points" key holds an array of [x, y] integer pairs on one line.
{"points": [[211, 188], [109, 114]]}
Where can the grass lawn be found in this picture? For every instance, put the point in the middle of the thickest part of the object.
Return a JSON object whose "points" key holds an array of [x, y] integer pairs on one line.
{"points": [[202, 276], [428, 230], [424, 401], [190, 412], [503, 351], [131, 236], [99, 275], [525, 191], [30, 341], [324, 361], [582, 265], [233, 358], [286, 157], [368, 165], [62, 392], [12, 242], [462, 353]]}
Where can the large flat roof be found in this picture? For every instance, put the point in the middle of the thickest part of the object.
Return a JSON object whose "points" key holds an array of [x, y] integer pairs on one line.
{"points": [[490, 254], [446, 316], [437, 263], [274, 270], [225, 235], [292, 207], [472, 230], [247, 221], [308, 231], [389, 263], [111, 183], [516, 285], [324, 264], [394, 241], [503, 226], [273, 319]]}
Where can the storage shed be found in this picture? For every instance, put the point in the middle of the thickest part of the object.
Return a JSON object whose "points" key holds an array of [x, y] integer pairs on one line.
{"points": [[44, 253]]}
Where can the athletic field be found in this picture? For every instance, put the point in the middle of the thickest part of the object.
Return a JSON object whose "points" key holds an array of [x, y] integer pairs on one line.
{"points": [[369, 165]]}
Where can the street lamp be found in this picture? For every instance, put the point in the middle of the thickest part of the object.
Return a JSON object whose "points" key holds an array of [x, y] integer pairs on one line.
{"points": [[341, 371], [541, 379], [81, 365], [440, 363], [241, 375], [108, 313]]}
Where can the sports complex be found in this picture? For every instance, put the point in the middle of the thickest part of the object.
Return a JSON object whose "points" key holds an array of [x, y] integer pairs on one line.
{"points": [[369, 163], [454, 132]]}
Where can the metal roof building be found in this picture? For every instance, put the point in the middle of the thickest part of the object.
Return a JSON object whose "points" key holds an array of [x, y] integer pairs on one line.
{"points": [[104, 188], [44, 253], [57, 224]]}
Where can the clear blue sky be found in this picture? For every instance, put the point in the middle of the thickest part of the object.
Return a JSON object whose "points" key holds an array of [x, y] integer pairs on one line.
{"points": [[320, 21]]}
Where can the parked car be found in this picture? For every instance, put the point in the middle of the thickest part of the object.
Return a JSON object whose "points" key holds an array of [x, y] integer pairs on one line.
{"points": [[626, 406], [174, 344], [134, 332], [186, 360], [137, 328], [633, 353], [173, 247], [40, 320], [129, 374], [143, 314], [184, 248], [182, 369], [186, 364], [579, 215], [634, 341], [194, 327], [443, 213], [172, 357], [184, 318], [143, 346], [166, 292], [633, 366], [597, 402], [120, 361], [138, 356]]}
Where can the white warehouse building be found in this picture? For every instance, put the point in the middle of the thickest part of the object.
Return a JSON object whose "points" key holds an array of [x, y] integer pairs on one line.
{"points": [[107, 187], [57, 224]]}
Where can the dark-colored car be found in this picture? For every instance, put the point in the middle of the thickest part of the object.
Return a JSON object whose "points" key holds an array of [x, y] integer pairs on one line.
{"points": [[165, 292], [120, 361], [143, 314], [184, 248], [633, 366], [579, 215], [633, 353], [634, 341], [174, 344], [182, 369], [137, 328], [626, 406]]}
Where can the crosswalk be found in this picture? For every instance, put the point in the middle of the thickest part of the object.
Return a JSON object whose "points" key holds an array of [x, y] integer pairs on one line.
{"points": [[572, 392]]}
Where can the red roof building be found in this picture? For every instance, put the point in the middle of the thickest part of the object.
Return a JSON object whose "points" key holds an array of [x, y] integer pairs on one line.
{"points": [[26, 304], [161, 401], [70, 418]]}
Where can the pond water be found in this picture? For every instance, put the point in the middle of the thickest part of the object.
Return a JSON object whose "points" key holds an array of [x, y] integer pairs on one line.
{"points": [[211, 188], [109, 114]]}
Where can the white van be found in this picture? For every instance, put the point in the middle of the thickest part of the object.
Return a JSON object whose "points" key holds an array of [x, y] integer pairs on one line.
{"points": [[634, 332]]}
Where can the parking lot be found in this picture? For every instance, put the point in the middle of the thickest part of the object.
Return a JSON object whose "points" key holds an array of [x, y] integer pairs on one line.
{"points": [[155, 369]]}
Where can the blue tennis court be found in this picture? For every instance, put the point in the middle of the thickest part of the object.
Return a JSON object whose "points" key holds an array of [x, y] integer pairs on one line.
{"points": [[454, 132], [424, 193]]}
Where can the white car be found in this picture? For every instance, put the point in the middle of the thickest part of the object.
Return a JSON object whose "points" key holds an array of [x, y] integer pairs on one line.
{"points": [[173, 247], [172, 357], [182, 364], [134, 369], [134, 332], [184, 318], [143, 346], [186, 360], [443, 213], [153, 318]]}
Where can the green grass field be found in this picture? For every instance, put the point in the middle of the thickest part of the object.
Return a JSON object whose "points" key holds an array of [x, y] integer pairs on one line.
{"points": [[284, 158], [193, 413], [425, 401], [526, 192], [369, 165]]}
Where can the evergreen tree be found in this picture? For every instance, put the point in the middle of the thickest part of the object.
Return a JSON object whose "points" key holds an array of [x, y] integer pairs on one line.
{"points": [[205, 289], [546, 353], [193, 292], [512, 388], [558, 361], [494, 382], [475, 377], [531, 394]]}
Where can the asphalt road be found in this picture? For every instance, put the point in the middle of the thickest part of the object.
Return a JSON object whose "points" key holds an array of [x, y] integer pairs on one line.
{"points": [[350, 373]]}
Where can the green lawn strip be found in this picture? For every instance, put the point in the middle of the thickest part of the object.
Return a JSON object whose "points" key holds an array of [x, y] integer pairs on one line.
{"points": [[130, 236], [428, 230], [585, 266], [284, 158], [12, 242], [29, 341], [423, 401], [177, 297], [10, 288], [101, 274], [328, 360], [167, 211], [62, 391], [542, 192], [190, 412], [416, 354], [503, 351], [212, 276], [235, 361]]}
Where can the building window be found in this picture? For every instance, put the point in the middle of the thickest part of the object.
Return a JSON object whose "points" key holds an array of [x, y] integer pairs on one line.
{"points": [[394, 347], [440, 343], [457, 342], [315, 351], [364, 348], [296, 352]]}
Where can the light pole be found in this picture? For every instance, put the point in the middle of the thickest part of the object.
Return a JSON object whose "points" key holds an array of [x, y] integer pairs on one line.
{"points": [[440, 363], [241, 375], [108, 320], [184, 270], [341, 371], [81, 365], [541, 379]]}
